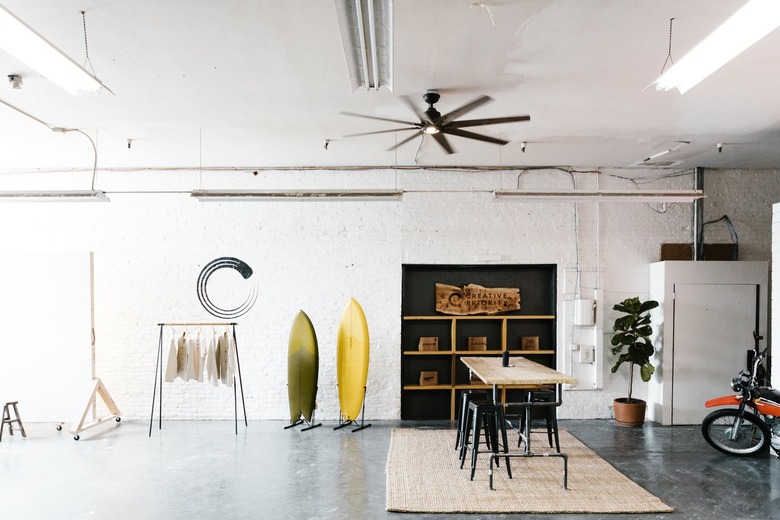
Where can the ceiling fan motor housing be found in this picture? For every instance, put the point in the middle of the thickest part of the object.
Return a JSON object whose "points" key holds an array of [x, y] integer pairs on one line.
{"points": [[432, 114], [431, 97]]}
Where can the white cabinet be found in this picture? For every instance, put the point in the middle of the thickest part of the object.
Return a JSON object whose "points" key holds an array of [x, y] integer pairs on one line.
{"points": [[703, 329]]}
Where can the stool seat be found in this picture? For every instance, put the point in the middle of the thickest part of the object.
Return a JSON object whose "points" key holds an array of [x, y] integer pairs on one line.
{"points": [[7, 419]]}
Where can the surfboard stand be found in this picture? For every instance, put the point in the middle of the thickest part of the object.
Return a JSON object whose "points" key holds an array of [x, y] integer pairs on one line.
{"points": [[310, 425], [301, 420], [363, 425]]}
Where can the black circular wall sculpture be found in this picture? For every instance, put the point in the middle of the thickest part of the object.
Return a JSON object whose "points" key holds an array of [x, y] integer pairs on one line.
{"points": [[223, 263]]}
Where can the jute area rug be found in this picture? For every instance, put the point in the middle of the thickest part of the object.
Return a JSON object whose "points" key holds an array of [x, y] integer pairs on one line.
{"points": [[424, 476]]}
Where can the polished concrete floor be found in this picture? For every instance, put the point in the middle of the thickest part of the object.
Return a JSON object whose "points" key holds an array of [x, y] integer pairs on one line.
{"points": [[193, 470]]}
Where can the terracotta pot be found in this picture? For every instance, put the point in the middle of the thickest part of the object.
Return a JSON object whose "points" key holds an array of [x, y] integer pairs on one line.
{"points": [[630, 414]]}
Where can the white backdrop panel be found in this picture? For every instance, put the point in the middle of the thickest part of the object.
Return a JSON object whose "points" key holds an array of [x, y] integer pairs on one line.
{"points": [[46, 350]]}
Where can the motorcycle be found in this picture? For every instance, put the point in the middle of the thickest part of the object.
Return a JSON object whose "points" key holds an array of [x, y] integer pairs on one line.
{"points": [[752, 425]]}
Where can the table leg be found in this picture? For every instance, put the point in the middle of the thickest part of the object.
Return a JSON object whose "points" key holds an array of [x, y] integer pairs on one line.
{"points": [[490, 474], [527, 425]]}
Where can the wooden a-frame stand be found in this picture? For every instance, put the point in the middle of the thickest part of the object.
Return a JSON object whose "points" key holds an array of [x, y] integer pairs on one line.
{"points": [[98, 389]]}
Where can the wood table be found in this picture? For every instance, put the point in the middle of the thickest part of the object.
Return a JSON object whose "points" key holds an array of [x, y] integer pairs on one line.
{"points": [[521, 371]]}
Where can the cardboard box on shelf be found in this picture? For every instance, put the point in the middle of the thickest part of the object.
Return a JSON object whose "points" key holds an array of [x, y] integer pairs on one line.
{"points": [[429, 378], [529, 343], [428, 344], [477, 343]]}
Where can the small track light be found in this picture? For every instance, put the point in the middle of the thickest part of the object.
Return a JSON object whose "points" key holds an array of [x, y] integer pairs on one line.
{"points": [[15, 81]]}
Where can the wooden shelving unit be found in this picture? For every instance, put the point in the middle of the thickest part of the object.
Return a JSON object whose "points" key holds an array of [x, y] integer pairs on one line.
{"points": [[503, 332]]}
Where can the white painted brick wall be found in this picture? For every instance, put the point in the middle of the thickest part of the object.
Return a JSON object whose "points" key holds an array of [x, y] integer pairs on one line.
{"points": [[757, 191], [149, 250]]}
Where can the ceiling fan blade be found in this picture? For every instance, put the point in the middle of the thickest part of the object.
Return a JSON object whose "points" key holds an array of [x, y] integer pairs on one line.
{"points": [[404, 141], [472, 135], [443, 142], [413, 107], [380, 118], [468, 107], [488, 121], [379, 132]]}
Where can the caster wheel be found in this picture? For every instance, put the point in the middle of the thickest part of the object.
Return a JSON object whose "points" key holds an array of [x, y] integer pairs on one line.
{"points": [[118, 419], [76, 438], [59, 427]]}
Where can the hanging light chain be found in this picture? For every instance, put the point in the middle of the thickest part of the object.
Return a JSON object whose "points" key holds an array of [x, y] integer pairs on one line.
{"points": [[87, 61], [669, 58]]}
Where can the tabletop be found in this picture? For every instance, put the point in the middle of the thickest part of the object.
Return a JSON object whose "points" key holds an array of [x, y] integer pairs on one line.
{"points": [[521, 371]]}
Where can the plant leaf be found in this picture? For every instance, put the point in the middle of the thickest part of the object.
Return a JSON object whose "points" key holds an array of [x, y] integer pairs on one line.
{"points": [[648, 305], [646, 371]]}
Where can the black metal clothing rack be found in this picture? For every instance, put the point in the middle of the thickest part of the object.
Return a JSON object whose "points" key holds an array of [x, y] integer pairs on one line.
{"points": [[158, 373]]}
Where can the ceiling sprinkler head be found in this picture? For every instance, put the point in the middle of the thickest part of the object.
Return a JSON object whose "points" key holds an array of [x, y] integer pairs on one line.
{"points": [[522, 146], [15, 81], [720, 147]]}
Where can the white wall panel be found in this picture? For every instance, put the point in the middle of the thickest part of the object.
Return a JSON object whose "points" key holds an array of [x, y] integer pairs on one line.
{"points": [[46, 346]]}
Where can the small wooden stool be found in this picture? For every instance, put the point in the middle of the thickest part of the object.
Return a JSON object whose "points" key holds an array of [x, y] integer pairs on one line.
{"points": [[7, 419]]}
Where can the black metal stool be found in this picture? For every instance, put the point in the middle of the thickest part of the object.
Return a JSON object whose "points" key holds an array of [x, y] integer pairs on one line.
{"points": [[7, 419], [488, 417], [466, 397], [543, 395], [467, 424]]}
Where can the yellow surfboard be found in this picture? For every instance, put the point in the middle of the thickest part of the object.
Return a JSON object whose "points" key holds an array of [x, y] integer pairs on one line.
{"points": [[352, 360], [302, 368]]}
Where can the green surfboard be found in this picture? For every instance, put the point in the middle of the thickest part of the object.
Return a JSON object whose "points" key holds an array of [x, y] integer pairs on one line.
{"points": [[302, 369]]}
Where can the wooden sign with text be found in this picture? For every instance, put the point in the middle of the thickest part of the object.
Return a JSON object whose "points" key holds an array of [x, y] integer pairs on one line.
{"points": [[475, 299]]}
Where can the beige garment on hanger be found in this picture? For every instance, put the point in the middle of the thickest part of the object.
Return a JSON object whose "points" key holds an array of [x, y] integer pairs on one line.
{"points": [[170, 366]]}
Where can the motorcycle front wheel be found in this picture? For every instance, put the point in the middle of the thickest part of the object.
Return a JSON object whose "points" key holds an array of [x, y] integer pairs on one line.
{"points": [[752, 439]]}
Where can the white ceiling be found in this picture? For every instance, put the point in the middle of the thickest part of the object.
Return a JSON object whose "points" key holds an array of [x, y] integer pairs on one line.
{"points": [[262, 83]]}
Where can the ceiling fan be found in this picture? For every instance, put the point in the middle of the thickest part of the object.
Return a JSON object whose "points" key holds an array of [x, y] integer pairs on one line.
{"points": [[437, 125]]}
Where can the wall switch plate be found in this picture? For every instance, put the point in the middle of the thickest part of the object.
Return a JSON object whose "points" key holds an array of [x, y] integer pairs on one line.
{"points": [[587, 354]]}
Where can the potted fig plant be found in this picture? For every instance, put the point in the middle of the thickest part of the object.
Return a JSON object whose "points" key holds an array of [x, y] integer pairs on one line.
{"points": [[631, 343]]}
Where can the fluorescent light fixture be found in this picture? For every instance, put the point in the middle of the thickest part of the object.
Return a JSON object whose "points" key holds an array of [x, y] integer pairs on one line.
{"points": [[753, 21], [601, 196], [651, 159], [53, 196], [657, 155], [22, 42], [367, 36], [300, 195]]}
